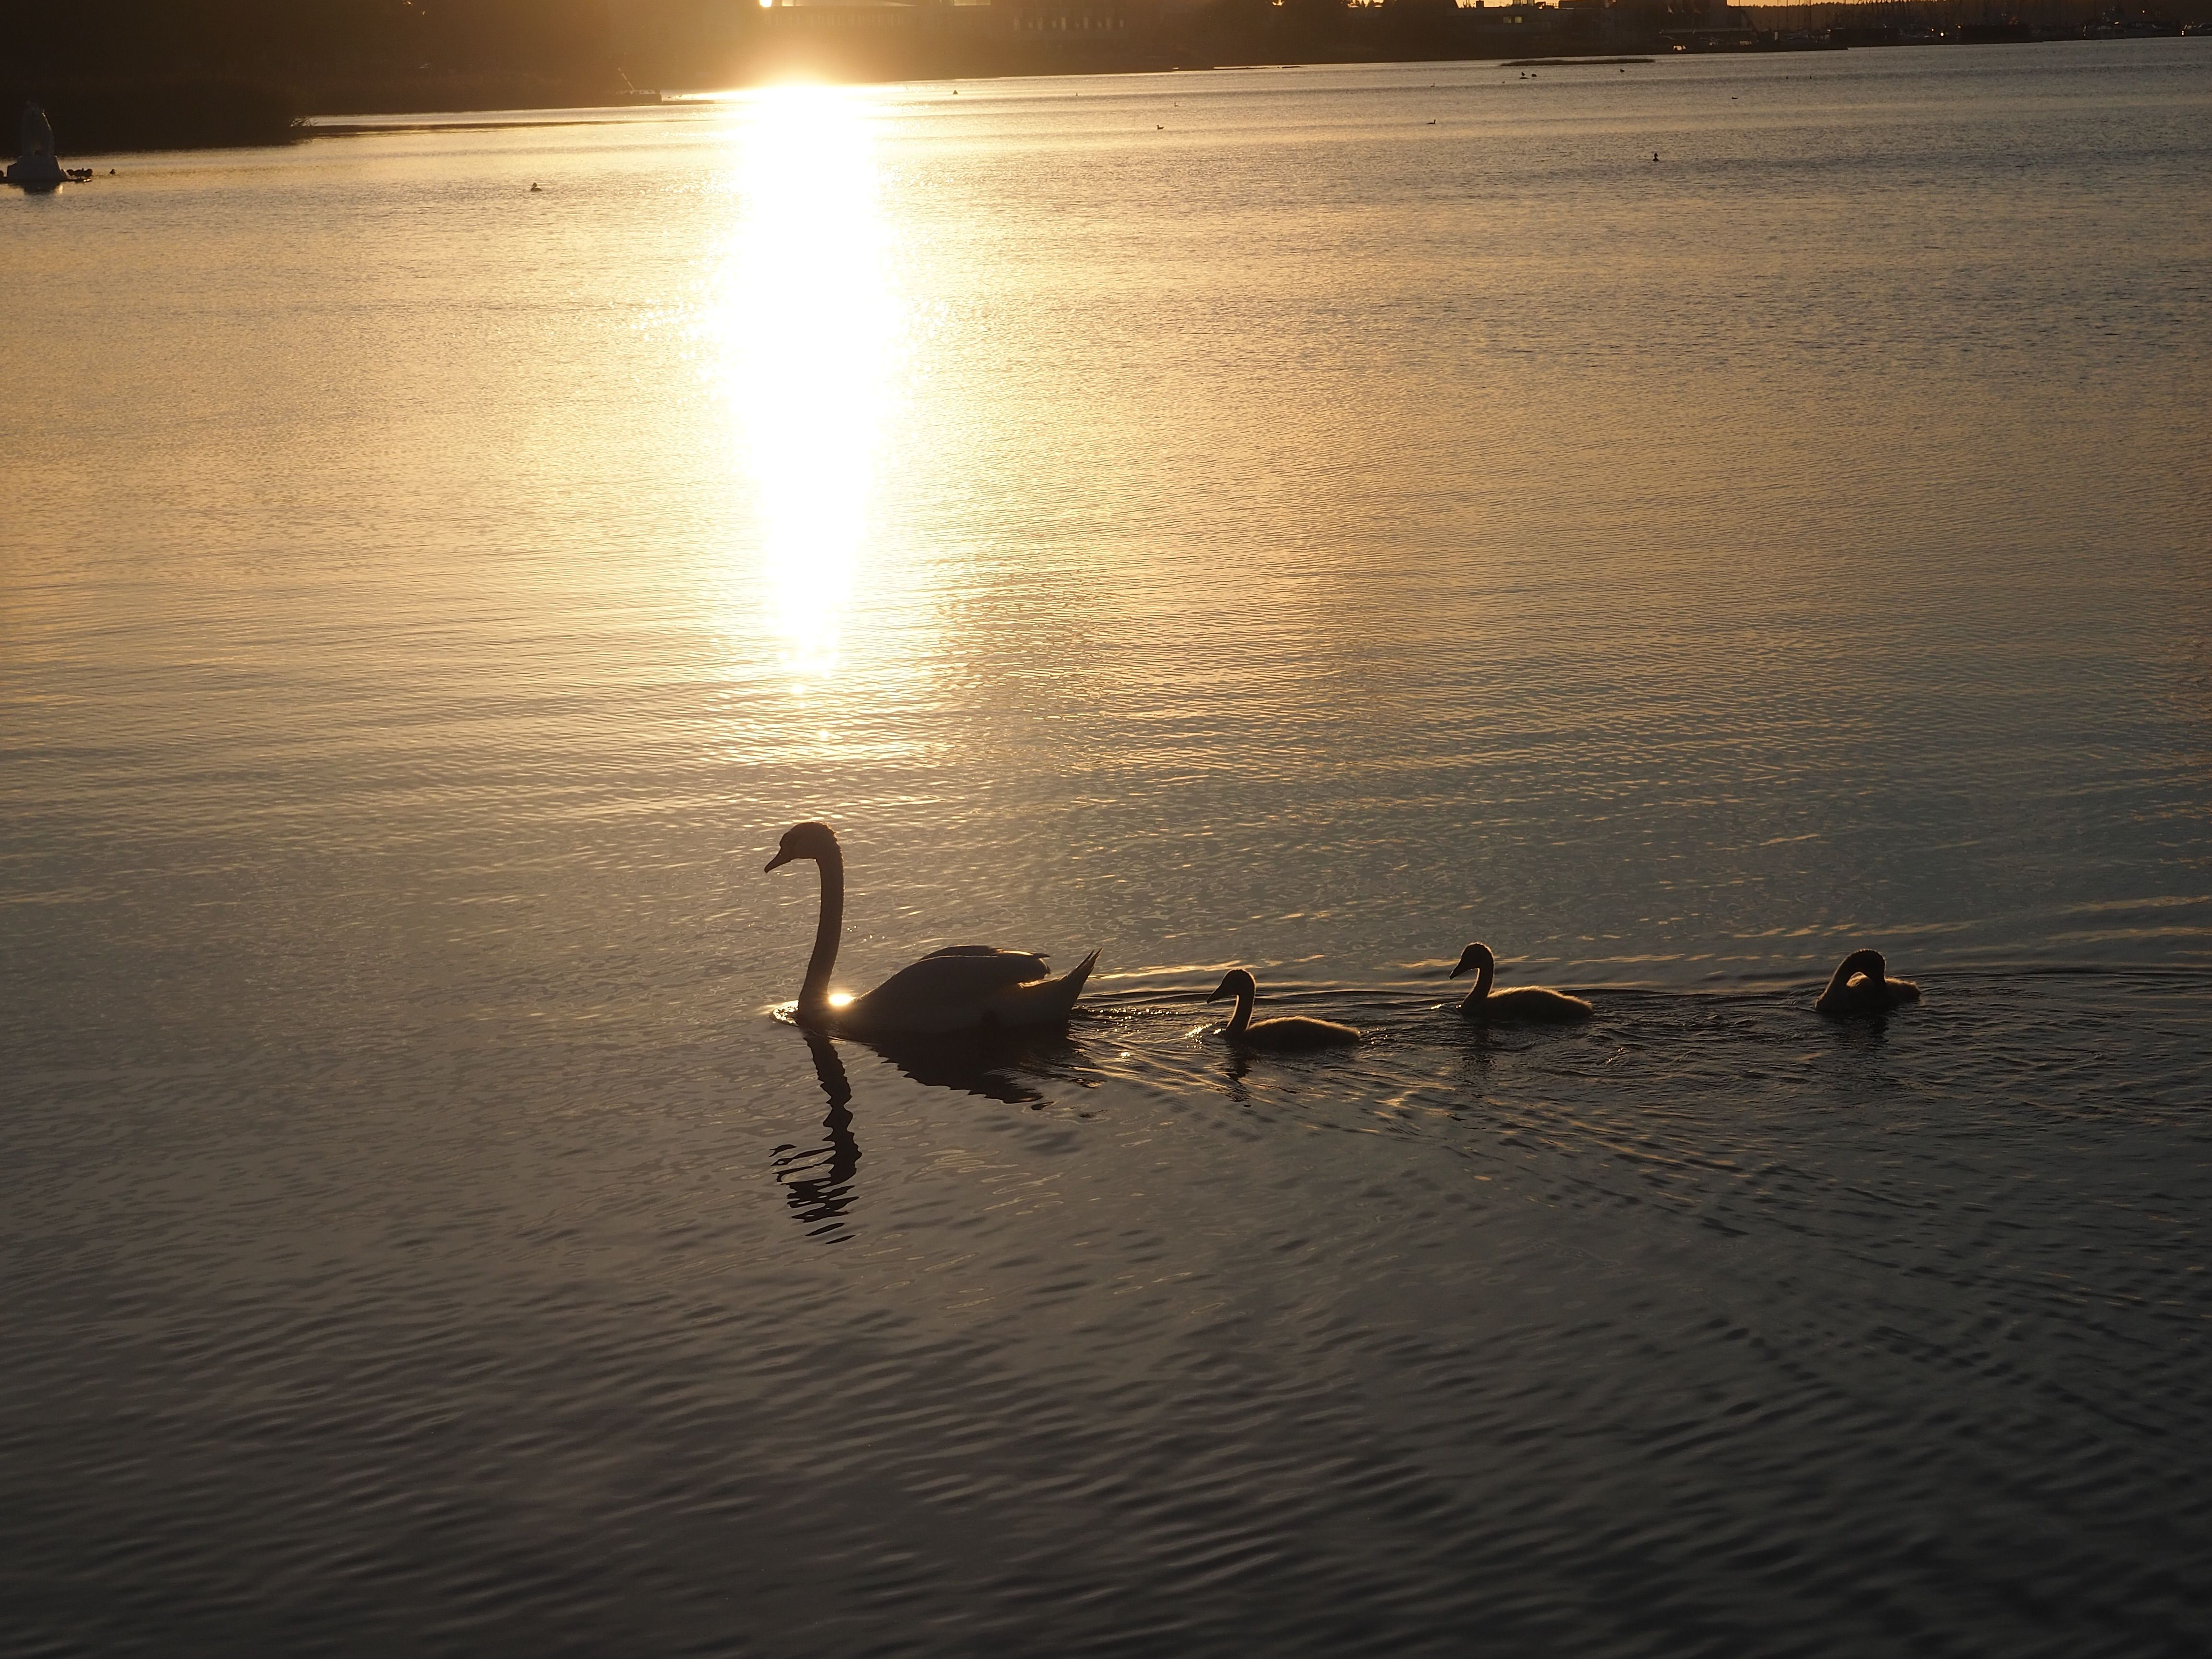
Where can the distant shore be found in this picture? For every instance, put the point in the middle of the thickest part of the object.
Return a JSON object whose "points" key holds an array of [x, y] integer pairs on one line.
{"points": [[99, 116], [102, 118]]}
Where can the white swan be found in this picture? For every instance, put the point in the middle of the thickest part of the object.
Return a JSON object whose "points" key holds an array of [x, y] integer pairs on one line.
{"points": [[963, 988], [1862, 985], [1523, 1002], [1290, 1031]]}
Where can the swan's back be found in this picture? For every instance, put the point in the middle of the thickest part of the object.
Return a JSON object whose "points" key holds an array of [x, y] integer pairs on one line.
{"points": [[962, 973], [1033, 966], [1296, 1031], [1869, 995], [965, 987], [1535, 1004]]}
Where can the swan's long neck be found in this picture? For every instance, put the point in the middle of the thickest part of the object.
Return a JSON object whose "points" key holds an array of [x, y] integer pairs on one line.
{"points": [[1838, 997], [1485, 971], [1859, 962], [814, 993], [1842, 977], [1243, 1016]]}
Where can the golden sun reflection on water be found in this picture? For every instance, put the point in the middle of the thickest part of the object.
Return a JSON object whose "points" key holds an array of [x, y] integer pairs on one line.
{"points": [[809, 323]]}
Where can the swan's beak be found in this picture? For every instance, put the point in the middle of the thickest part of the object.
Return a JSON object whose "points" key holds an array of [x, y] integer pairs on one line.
{"points": [[781, 859], [1467, 960]]}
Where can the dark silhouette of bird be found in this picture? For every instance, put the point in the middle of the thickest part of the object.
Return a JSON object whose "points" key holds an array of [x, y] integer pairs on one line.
{"points": [[1523, 1002], [1289, 1031], [1862, 985]]}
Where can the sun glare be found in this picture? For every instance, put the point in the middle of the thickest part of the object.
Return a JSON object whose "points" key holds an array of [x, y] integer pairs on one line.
{"points": [[808, 326]]}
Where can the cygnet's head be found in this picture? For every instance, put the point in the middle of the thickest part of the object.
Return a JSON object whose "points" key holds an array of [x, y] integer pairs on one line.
{"points": [[1474, 958], [1234, 983], [803, 841]]}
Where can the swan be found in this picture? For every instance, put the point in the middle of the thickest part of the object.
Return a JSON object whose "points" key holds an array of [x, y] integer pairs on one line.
{"points": [[1523, 1002], [1862, 985], [963, 988], [1289, 1031]]}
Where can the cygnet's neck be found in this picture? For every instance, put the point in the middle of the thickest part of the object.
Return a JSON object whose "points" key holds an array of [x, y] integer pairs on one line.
{"points": [[1243, 1016], [1859, 962], [1486, 969]]}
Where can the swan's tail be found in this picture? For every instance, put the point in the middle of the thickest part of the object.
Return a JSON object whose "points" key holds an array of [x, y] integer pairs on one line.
{"points": [[1072, 985], [1040, 1001]]}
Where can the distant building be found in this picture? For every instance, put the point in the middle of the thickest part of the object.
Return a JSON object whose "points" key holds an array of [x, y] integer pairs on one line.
{"points": [[1102, 20]]}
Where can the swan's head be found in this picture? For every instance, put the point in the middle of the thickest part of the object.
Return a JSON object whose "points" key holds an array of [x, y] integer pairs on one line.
{"points": [[1473, 959], [803, 841], [1234, 983]]}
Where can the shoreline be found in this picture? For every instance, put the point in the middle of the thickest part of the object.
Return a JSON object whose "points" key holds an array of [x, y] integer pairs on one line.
{"points": [[94, 117]]}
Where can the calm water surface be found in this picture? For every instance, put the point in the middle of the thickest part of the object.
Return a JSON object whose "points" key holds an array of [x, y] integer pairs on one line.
{"points": [[1309, 518]]}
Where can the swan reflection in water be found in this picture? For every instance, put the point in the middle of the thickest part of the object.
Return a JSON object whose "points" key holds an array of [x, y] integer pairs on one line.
{"points": [[995, 1068], [817, 1180]]}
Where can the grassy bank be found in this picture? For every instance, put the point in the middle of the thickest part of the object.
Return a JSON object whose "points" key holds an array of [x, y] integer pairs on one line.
{"points": [[431, 93], [92, 117], [102, 117]]}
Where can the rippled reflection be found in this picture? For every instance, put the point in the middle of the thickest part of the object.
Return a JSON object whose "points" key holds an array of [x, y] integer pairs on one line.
{"points": [[993, 1066], [809, 324], [817, 1181]]}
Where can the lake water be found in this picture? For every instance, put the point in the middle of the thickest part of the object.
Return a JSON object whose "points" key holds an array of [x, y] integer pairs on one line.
{"points": [[1308, 518]]}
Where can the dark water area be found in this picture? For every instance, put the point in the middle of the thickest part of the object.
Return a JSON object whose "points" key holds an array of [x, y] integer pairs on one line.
{"points": [[1216, 520], [1709, 1327]]}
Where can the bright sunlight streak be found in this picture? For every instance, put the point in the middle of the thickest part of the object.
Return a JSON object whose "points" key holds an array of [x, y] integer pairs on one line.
{"points": [[809, 324]]}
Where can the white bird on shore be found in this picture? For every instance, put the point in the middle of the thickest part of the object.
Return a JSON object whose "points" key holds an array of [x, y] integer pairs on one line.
{"points": [[963, 988]]}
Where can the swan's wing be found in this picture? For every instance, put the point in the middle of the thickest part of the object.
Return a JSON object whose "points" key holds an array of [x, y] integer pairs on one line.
{"points": [[954, 990], [1033, 967]]}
